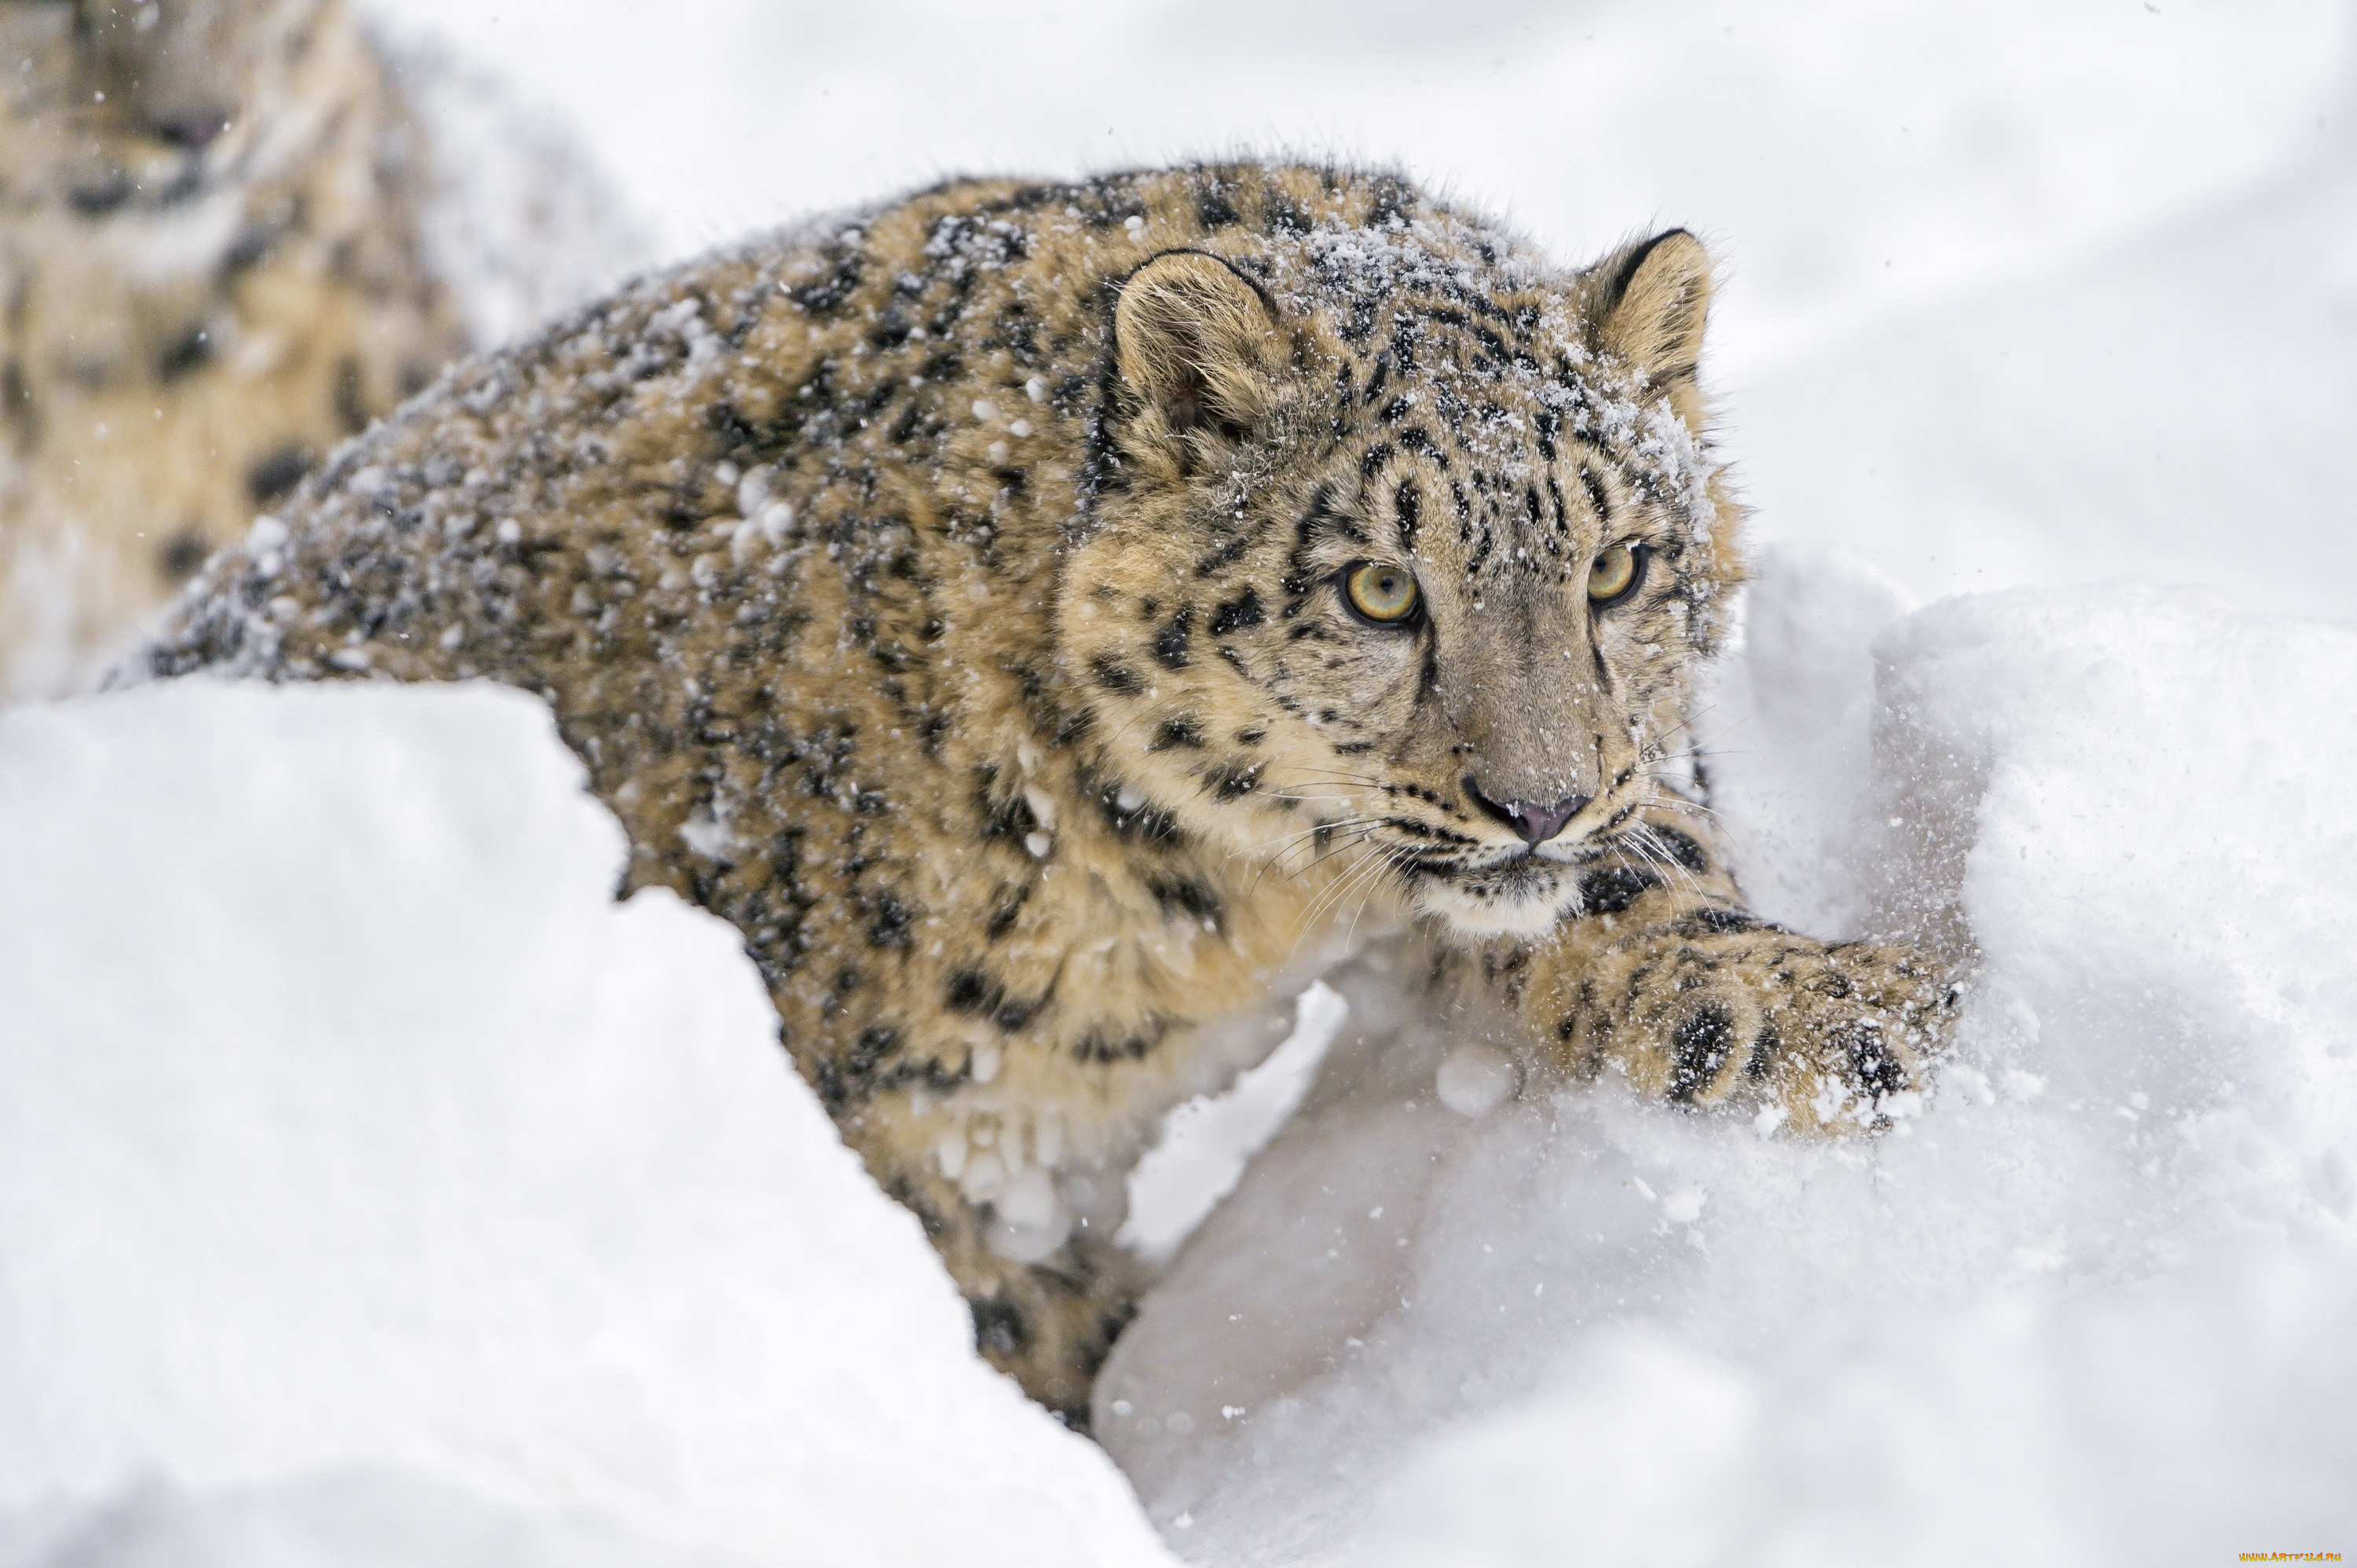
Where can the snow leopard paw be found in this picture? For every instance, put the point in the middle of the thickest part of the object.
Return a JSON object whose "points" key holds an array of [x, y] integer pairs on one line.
{"points": [[1724, 1009]]}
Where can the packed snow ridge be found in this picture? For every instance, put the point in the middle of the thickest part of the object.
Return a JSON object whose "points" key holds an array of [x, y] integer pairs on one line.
{"points": [[376, 1188]]}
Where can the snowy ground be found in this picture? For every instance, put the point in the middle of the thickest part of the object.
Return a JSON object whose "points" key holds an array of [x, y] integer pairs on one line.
{"points": [[2020, 298], [2096, 1303], [375, 1188]]}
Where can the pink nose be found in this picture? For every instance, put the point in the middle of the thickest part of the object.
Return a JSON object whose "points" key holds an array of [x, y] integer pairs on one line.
{"points": [[1536, 823]]}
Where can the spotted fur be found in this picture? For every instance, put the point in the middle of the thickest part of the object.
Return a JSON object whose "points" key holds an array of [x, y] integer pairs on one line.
{"points": [[210, 275], [951, 599]]}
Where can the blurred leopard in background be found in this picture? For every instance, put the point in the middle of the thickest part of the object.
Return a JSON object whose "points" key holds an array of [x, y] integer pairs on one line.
{"points": [[1052, 620], [225, 246]]}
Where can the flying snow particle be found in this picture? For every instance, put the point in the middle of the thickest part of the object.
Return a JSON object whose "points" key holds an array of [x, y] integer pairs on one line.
{"points": [[1475, 1079]]}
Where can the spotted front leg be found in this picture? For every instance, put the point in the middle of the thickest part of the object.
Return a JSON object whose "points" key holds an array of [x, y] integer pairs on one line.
{"points": [[1665, 978]]}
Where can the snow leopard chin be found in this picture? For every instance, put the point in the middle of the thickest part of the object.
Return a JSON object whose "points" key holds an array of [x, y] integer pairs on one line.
{"points": [[1525, 897]]}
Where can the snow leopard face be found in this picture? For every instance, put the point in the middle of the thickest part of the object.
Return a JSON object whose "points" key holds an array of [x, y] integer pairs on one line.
{"points": [[1413, 585]]}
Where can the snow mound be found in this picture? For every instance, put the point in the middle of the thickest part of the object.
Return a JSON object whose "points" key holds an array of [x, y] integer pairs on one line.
{"points": [[375, 1188], [2093, 1303]]}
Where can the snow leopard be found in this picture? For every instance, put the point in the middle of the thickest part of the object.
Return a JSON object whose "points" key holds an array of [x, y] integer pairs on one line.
{"points": [[1052, 620], [226, 245]]}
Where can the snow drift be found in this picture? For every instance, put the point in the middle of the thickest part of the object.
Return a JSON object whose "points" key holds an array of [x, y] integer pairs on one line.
{"points": [[375, 1188], [2093, 1302]]}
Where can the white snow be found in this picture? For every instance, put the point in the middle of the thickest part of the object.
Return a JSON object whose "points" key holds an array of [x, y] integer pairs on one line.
{"points": [[1207, 1142], [2096, 1299], [363, 1161], [1474, 1079], [1851, 155], [374, 1189]]}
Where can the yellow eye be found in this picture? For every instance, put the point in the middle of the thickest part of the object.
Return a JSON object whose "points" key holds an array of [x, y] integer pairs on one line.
{"points": [[1380, 592], [1613, 574]]}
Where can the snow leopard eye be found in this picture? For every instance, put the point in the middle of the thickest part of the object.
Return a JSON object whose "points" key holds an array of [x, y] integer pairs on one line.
{"points": [[1614, 575], [1382, 593]]}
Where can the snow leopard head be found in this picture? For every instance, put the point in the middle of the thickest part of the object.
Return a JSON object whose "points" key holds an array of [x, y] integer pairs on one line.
{"points": [[1403, 552]]}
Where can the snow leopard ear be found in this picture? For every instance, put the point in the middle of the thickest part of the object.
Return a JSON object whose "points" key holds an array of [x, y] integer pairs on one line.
{"points": [[1650, 304], [1196, 342]]}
